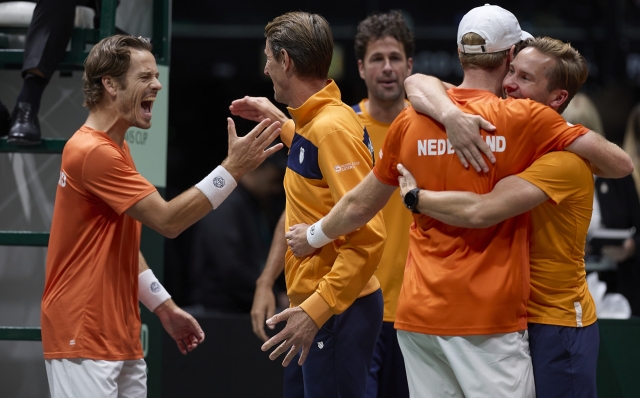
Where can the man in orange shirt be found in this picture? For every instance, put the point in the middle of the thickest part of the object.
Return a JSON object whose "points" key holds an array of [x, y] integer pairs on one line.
{"points": [[563, 333], [383, 45], [462, 309], [95, 272]]}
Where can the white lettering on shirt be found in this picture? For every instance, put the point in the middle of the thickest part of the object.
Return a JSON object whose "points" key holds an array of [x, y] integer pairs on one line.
{"points": [[422, 147], [437, 147], [501, 143], [431, 145]]}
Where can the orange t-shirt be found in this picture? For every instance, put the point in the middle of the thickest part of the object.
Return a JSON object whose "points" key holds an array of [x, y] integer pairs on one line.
{"points": [[559, 291], [461, 281], [397, 220], [90, 302]]}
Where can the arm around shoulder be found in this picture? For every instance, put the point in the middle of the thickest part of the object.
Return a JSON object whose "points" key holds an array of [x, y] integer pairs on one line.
{"points": [[428, 95], [608, 159], [510, 197]]}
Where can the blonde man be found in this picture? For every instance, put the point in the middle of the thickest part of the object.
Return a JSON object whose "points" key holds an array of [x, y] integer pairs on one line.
{"points": [[563, 332]]}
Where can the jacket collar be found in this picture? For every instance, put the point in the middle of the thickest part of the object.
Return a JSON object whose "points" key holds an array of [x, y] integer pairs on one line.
{"points": [[329, 95]]}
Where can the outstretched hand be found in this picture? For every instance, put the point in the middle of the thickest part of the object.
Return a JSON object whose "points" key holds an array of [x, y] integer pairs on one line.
{"points": [[297, 240], [256, 109], [463, 131], [296, 336], [180, 325], [248, 152]]}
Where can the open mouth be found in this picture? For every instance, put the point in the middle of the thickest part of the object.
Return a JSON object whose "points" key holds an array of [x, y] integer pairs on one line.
{"points": [[147, 104]]}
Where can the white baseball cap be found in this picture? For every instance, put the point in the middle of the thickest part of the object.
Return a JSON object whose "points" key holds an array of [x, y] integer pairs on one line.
{"points": [[498, 27]]}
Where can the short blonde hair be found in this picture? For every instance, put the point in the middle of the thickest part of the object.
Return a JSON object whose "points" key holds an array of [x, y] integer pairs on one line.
{"points": [[484, 61], [570, 71], [582, 111]]}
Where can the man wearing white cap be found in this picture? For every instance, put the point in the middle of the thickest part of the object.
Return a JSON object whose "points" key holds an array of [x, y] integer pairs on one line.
{"points": [[461, 314]]}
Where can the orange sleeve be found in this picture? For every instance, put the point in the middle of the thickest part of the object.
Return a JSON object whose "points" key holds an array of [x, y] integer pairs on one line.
{"points": [[386, 167], [549, 130], [557, 174], [287, 131], [106, 174], [345, 162]]}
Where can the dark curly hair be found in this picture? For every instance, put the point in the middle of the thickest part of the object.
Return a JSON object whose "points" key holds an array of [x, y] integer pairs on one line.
{"points": [[379, 26], [110, 57]]}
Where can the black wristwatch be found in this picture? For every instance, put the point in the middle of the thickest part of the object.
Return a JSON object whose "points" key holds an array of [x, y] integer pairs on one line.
{"points": [[411, 200]]}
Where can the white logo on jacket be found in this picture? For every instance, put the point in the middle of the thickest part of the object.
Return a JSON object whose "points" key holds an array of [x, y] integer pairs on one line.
{"points": [[301, 158], [344, 167], [320, 345]]}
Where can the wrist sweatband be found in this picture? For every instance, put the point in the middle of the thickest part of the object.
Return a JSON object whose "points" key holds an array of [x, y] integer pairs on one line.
{"points": [[150, 292], [217, 186], [316, 237]]}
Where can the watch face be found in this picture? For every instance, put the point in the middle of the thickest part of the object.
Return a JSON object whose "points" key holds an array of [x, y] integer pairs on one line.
{"points": [[410, 200]]}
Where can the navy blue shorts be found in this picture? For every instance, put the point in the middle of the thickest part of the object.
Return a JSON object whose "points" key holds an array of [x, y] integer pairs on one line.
{"points": [[340, 357], [564, 360], [387, 376]]}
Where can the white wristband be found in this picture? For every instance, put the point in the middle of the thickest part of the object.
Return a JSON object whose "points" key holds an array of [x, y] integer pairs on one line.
{"points": [[150, 292], [316, 237], [217, 186]]}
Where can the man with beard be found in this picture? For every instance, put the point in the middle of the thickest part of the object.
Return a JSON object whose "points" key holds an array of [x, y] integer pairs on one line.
{"points": [[95, 272]]}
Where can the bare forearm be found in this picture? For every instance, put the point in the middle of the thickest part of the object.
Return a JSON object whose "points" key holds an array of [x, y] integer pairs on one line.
{"points": [[460, 209], [346, 216], [357, 207], [275, 261], [428, 95], [608, 159], [510, 197], [173, 217], [142, 263]]}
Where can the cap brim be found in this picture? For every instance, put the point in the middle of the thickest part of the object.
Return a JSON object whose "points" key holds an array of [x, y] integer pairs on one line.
{"points": [[525, 35]]}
